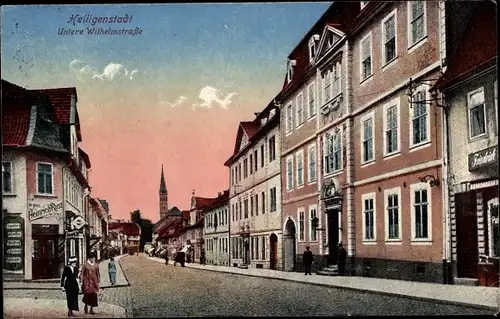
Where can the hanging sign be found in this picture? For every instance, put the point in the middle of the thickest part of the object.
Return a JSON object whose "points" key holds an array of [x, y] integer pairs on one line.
{"points": [[78, 222], [13, 226]]}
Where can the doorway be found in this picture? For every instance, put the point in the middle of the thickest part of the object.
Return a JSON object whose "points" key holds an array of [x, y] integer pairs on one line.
{"points": [[45, 262], [333, 236], [467, 250], [289, 246], [273, 256]]}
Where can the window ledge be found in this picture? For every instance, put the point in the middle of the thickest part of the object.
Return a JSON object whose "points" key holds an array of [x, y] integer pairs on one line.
{"points": [[365, 80], [417, 44], [46, 195], [390, 63], [478, 137], [391, 155], [334, 173], [368, 163], [9, 195], [289, 133], [421, 242], [300, 125], [300, 186], [369, 242], [312, 117], [312, 182], [419, 146], [393, 241]]}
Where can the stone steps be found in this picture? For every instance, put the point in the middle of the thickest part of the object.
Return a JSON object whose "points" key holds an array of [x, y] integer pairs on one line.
{"points": [[329, 271], [466, 281]]}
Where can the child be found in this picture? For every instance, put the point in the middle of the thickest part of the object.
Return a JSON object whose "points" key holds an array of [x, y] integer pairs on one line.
{"points": [[112, 271]]}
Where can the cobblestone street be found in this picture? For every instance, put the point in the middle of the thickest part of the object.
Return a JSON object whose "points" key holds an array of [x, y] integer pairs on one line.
{"points": [[160, 291]]}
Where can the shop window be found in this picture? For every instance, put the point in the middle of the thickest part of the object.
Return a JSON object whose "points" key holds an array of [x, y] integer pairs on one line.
{"points": [[493, 227]]}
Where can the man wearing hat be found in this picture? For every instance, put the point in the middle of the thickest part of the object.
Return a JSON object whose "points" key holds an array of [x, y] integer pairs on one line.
{"points": [[69, 284]]}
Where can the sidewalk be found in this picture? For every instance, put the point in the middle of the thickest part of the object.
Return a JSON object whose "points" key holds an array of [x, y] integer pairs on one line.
{"points": [[475, 296], [121, 280], [54, 308]]}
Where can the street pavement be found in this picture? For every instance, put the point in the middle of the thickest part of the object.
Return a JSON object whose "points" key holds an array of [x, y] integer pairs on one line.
{"points": [[160, 290], [47, 300]]}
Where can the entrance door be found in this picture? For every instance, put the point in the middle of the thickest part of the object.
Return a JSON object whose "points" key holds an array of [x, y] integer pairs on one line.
{"points": [[333, 236], [273, 258], [45, 262], [289, 246], [467, 250]]}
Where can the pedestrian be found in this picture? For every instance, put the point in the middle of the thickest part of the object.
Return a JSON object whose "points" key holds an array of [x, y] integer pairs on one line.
{"points": [[90, 282], [307, 259], [69, 284], [112, 270], [342, 259], [174, 256], [202, 256], [166, 257]]}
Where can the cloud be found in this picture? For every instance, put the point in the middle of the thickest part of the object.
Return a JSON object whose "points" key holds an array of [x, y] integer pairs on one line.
{"points": [[112, 71], [181, 101], [212, 98], [225, 27]]}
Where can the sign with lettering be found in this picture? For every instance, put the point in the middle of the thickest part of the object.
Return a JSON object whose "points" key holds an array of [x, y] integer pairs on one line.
{"points": [[483, 158], [78, 222], [13, 229], [74, 234], [40, 210]]}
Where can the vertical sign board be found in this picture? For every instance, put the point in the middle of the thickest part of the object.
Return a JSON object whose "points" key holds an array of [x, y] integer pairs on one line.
{"points": [[13, 230]]}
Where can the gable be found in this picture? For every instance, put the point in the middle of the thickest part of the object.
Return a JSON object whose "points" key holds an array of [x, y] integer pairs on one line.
{"points": [[243, 142], [329, 38]]}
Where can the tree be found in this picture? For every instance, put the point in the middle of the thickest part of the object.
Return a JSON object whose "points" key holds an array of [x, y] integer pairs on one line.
{"points": [[146, 228]]}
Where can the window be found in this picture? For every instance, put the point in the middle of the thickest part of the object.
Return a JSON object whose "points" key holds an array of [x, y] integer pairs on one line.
{"points": [[337, 151], [251, 206], [289, 173], [328, 151], [44, 176], [301, 225], [289, 71], [327, 85], [332, 151], [232, 176], [493, 225], [366, 57], [416, 17], [310, 95], [239, 171], [245, 168], [391, 127], [262, 161], [263, 246], [251, 163], [289, 120], [241, 210], [313, 236], [232, 213], [272, 149], [367, 138], [477, 114], [300, 168], [312, 49], [389, 38], [336, 79], [257, 247], [393, 214], [300, 109], [421, 206], [312, 163], [263, 202], [7, 177], [272, 194], [236, 211], [256, 160], [251, 248], [257, 205], [245, 204], [369, 217], [420, 118]]}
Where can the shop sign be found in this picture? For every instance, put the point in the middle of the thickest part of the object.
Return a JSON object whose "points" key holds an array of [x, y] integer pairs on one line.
{"points": [[39, 210], [78, 222], [13, 244], [74, 234], [483, 158]]}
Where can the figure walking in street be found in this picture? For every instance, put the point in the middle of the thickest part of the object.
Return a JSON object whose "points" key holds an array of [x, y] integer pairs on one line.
{"points": [[90, 282], [202, 256], [307, 259], [342, 259], [174, 256], [69, 284], [112, 270], [166, 257]]}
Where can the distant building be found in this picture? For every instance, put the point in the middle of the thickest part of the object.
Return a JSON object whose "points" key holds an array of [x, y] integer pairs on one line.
{"points": [[216, 230], [129, 235]]}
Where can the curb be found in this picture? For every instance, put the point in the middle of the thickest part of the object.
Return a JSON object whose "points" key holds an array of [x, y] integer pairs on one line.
{"points": [[129, 312], [384, 293]]}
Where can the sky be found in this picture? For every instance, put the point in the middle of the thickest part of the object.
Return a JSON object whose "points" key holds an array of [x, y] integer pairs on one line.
{"points": [[171, 91]]}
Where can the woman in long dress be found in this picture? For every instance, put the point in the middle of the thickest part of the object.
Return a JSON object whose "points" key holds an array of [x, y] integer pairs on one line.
{"points": [[90, 282], [69, 284]]}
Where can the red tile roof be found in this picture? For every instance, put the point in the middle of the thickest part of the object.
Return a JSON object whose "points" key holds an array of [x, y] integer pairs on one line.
{"points": [[130, 229], [16, 113], [477, 49], [219, 201], [250, 128], [201, 202], [185, 215]]}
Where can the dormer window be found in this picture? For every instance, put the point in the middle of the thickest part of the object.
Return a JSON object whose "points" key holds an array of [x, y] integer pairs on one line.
{"points": [[363, 4], [312, 47], [289, 70]]}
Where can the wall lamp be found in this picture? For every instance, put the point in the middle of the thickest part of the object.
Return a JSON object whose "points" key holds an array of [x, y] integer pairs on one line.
{"points": [[430, 179], [412, 87]]}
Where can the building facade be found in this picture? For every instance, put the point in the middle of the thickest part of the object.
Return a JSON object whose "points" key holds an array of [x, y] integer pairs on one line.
{"points": [[254, 194], [470, 97], [397, 140], [35, 190], [216, 231]]}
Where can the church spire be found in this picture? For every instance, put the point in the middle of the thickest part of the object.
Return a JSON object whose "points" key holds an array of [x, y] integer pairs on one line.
{"points": [[163, 186]]}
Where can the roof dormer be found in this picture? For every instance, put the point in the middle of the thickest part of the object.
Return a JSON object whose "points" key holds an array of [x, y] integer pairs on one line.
{"points": [[363, 4], [289, 70], [312, 47]]}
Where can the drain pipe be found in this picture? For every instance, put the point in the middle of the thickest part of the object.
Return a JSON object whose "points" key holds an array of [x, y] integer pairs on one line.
{"points": [[447, 249]]}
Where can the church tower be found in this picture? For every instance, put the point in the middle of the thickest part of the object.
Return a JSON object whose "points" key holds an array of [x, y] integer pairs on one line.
{"points": [[163, 196]]}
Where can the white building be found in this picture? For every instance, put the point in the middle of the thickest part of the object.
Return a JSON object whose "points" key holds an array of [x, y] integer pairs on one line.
{"points": [[216, 231], [254, 194]]}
